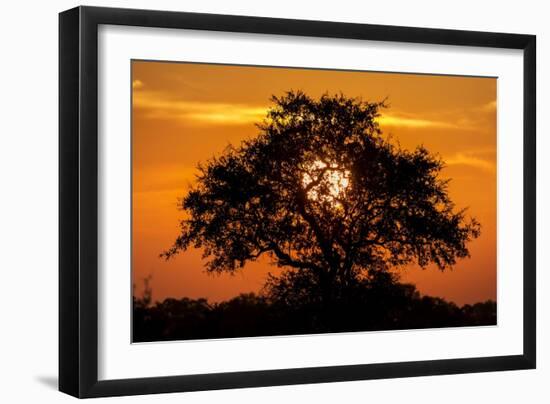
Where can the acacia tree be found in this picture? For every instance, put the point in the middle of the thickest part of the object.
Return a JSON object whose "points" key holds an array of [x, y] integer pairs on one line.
{"points": [[322, 190]]}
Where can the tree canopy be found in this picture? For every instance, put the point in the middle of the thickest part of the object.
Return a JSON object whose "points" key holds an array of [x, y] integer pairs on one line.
{"points": [[322, 190]]}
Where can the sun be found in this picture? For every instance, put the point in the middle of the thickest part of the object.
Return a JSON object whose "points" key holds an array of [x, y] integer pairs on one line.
{"points": [[326, 182]]}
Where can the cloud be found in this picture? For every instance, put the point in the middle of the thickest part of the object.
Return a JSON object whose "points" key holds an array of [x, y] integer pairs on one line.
{"points": [[137, 84], [468, 159], [413, 122], [472, 119], [163, 178], [160, 107], [491, 106]]}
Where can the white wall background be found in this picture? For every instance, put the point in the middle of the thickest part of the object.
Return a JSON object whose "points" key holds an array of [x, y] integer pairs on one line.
{"points": [[28, 201]]}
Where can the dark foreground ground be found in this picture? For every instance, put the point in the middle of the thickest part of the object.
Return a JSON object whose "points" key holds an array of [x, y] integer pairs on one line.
{"points": [[392, 307]]}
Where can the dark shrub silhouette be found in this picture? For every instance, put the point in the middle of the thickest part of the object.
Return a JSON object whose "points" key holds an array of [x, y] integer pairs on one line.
{"points": [[379, 304]]}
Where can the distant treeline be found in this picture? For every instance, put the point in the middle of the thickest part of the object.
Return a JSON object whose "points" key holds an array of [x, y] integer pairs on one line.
{"points": [[380, 306]]}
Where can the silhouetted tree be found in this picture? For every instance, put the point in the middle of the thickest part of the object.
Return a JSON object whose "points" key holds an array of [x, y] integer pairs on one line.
{"points": [[321, 190]]}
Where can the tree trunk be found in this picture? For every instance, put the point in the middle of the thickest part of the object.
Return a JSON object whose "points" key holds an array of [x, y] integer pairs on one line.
{"points": [[328, 300]]}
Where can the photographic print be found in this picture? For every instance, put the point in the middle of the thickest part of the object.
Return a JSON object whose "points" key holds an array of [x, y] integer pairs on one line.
{"points": [[285, 201]]}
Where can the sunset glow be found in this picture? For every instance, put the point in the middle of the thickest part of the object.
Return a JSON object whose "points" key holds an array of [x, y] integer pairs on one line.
{"points": [[187, 113]]}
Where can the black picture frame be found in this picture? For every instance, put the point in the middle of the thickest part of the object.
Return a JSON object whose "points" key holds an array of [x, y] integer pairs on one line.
{"points": [[78, 201]]}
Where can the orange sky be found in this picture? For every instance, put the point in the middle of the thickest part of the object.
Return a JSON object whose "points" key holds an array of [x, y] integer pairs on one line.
{"points": [[185, 113]]}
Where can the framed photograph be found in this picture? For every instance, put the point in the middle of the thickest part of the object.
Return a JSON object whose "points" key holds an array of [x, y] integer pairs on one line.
{"points": [[249, 201]]}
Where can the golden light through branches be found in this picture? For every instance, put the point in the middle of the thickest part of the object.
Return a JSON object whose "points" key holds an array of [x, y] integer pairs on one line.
{"points": [[326, 182]]}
